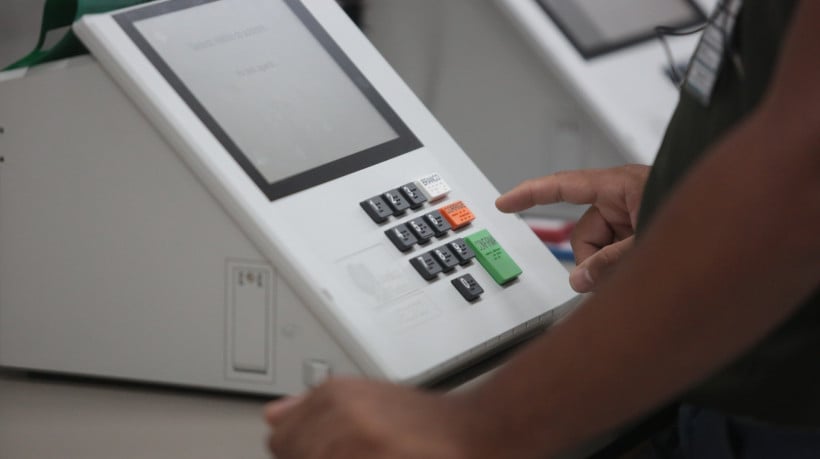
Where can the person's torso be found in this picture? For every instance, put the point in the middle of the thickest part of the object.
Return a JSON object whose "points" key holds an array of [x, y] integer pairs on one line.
{"points": [[778, 381]]}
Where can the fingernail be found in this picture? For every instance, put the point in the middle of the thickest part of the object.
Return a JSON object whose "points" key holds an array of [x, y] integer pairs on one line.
{"points": [[580, 280]]}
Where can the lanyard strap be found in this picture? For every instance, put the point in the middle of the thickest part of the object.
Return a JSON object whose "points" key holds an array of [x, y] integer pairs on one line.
{"points": [[63, 13], [714, 47]]}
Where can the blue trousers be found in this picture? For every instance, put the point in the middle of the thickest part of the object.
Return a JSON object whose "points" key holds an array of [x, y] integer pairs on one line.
{"points": [[707, 434]]}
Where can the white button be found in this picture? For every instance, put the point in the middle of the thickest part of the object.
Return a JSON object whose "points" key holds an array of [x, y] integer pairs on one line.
{"points": [[433, 186], [315, 372]]}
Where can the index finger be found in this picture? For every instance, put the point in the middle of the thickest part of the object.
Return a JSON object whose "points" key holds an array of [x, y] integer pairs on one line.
{"points": [[576, 187]]}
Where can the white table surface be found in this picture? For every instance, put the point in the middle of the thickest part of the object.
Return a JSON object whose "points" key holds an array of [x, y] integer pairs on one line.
{"points": [[46, 417]]}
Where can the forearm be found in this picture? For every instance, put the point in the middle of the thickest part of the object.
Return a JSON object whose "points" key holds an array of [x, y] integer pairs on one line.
{"points": [[714, 274]]}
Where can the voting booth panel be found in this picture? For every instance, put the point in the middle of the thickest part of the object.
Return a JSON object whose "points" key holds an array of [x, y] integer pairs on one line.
{"points": [[116, 261], [256, 202]]}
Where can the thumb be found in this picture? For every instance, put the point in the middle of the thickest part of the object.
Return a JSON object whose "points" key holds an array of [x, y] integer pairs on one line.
{"points": [[586, 276]]}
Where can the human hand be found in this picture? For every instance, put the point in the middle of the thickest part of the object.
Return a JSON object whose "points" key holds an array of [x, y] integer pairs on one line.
{"points": [[351, 418], [606, 230]]}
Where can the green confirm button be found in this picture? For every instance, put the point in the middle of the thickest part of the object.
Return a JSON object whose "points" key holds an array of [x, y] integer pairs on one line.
{"points": [[493, 257]]}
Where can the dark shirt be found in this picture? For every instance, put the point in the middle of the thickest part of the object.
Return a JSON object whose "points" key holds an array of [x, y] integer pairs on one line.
{"points": [[778, 381]]}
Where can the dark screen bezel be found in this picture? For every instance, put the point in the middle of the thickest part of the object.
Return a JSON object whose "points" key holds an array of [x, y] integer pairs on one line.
{"points": [[404, 143], [630, 40]]}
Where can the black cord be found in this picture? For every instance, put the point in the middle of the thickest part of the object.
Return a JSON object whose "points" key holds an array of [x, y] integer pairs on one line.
{"points": [[662, 32]]}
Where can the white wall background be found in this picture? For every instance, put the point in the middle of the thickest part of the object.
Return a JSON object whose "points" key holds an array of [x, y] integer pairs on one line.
{"points": [[19, 28]]}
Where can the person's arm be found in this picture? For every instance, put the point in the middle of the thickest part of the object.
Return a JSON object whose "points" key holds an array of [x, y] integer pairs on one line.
{"points": [[728, 258]]}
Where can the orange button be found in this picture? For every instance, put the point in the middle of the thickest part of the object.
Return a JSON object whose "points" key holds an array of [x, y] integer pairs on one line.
{"points": [[457, 214]]}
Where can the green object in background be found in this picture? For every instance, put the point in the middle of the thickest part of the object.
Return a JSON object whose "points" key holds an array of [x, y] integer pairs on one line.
{"points": [[62, 13], [493, 257]]}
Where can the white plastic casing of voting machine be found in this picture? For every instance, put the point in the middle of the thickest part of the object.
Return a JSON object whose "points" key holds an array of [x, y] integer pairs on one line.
{"points": [[334, 177]]}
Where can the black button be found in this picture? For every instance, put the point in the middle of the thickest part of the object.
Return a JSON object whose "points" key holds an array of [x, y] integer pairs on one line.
{"points": [[421, 229], [396, 201], [401, 237], [462, 251], [437, 222], [426, 265], [468, 287], [377, 209], [445, 258], [413, 195]]}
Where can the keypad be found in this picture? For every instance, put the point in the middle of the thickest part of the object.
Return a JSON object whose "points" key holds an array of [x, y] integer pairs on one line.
{"points": [[426, 266], [468, 287], [420, 229], [402, 237]]}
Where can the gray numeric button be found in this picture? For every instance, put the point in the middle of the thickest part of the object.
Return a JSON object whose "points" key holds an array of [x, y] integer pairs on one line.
{"points": [[468, 287], [437, 222], [421, 230], [401, 237], [426, 266], [396, 201], [377, 209], [462, 251], [414, 196], [445, 258]]}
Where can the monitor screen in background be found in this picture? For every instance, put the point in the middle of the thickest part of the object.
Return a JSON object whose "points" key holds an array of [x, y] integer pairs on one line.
{"points": [[597, 27]]}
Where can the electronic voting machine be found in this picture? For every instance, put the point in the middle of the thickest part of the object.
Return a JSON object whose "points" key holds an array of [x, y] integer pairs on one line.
{"points": [[368, 242]]}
